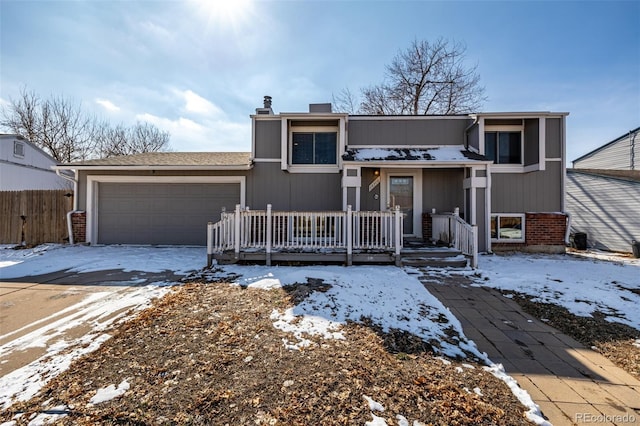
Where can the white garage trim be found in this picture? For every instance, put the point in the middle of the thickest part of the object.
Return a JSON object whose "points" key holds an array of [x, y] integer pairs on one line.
{"points": [[93, 196]]}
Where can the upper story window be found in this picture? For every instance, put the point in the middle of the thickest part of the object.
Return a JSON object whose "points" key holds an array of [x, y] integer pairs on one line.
{"points": [[503, 147], [18, 149], [314, 148]]}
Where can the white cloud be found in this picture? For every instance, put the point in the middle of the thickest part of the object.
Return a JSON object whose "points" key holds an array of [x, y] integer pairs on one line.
{"points": [[196, 104], [107, 104], [205, 135]]}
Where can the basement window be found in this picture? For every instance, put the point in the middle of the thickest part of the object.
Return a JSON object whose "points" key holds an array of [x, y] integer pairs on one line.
{"points": [[507, 228]]}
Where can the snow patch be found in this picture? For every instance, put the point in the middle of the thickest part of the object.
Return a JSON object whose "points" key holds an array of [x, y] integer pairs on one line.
{"points": [[109, 393]]}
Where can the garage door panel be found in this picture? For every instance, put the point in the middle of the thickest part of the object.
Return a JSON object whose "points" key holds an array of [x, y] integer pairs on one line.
{"points": [[161, 213]]}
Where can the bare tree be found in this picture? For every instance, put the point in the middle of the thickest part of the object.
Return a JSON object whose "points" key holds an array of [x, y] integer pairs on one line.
{"points": [[59, 127], [121, 140], [345, 101], [426, 78]]}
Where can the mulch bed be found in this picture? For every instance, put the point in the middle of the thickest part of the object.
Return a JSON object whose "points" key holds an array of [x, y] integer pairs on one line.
{"points": [[209, 354]]}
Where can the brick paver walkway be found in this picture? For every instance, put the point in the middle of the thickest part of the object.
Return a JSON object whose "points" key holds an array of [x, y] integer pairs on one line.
{"points": [[573, 385]]}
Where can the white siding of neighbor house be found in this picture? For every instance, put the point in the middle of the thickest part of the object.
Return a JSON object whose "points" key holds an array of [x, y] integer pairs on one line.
{"points": [[32, 171], [616, 155], [607, 209]]}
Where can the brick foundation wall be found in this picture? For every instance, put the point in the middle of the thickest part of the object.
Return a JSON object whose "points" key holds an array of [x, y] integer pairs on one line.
{"points": [[79, 227], [544, 232], [545, 228]]}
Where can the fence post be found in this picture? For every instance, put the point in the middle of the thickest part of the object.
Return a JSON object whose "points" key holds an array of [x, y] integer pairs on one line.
{"points": [[398, 234], [209, 244], [236, 244], [269, 236], [349, 227]]}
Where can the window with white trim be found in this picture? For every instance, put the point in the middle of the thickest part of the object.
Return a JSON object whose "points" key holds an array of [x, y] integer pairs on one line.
{"points": [[18, 149], [507, 227], [503, 147], [314, 148]]}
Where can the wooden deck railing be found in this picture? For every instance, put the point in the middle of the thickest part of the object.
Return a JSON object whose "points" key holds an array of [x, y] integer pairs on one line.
{"points": [[306, 231], [451, 229]]}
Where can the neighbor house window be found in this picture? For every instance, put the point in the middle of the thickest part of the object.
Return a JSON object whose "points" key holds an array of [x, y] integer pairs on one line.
{"points": [[18, 149], [314, 148], [503, 147], [507, 227]]}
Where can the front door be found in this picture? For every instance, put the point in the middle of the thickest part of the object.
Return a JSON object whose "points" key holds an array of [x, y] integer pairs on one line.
{"points": [[401, 194]]}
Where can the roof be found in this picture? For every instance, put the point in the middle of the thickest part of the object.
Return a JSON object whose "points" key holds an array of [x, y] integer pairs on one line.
{"points": [[618, 139], [627, 175], [169, 160], [439, 154]]}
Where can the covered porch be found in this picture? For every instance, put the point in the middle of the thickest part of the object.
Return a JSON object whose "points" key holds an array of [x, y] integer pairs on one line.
{"points": [[426, 184]]}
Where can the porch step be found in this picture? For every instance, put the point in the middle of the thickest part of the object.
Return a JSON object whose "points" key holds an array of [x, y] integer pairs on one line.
{"points": [[438, 257]]}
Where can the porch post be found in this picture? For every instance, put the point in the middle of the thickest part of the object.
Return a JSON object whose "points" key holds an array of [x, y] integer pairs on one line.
{"points": [[349, 227], [209, 244], [236, 224], [398, 234], [474, 255], [268, 242]]}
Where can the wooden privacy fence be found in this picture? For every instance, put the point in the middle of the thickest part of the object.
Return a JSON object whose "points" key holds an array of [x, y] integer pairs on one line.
{"points": [[34, 217]]}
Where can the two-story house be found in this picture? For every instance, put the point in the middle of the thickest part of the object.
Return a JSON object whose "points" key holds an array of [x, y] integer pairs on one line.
{"points": [[502, 172]]}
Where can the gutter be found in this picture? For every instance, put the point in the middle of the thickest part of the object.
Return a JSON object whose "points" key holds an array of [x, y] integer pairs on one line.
{"points": [[156, 167]]}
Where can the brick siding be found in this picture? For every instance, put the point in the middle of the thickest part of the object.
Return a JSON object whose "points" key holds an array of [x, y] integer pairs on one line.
{"points": [[79, 227]]}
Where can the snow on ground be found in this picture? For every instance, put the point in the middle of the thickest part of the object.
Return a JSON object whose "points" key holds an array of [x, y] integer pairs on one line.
{"points": [[386, 295], [98, 311], [54, 257], [583, 283], [390, 297]]}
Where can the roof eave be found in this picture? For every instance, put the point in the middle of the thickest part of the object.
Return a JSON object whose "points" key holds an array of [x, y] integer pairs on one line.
{"points": [[152, 167], [418, 163]]}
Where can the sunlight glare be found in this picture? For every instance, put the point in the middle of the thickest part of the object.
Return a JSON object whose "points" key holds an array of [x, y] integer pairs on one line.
{"points": [[225, 13]]}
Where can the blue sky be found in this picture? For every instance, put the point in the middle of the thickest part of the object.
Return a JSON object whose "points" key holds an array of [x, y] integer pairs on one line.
{"points": [[199, 68]]}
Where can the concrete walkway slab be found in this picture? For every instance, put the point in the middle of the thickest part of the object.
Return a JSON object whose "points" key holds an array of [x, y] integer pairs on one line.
{"points": [[572, 384]]}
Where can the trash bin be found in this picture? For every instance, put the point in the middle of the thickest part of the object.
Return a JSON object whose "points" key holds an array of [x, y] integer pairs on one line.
{"points": [[580, 240], [635, 246]]}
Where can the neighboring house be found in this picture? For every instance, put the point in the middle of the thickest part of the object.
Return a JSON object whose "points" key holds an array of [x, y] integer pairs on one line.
{"points": [[503, 171], [25, 166], [603, 194]]}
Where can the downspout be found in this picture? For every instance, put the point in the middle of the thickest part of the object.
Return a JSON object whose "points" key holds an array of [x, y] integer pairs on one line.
{"points": [[563, 181], [466, 131], [75, 203]]}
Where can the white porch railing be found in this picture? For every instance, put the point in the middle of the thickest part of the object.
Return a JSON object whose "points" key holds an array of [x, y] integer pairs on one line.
{"points": [[451, 229], [289, 230]]}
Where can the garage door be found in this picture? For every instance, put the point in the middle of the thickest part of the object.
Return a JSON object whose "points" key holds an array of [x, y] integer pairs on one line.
{"points": [[161, 213]]}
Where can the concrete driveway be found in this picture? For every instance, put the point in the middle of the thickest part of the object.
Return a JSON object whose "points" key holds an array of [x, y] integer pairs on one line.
{"points": [[36, 311]]}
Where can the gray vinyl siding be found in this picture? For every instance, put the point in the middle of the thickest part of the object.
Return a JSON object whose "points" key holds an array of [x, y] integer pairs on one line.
{"points": [[473, 137], [613, 156], [268, 138], [528, 192], [553, 138], [410, 131], [268, 184], [531, 141], [606, 209], [442, 190], [481, 219]]}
